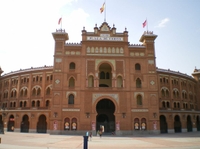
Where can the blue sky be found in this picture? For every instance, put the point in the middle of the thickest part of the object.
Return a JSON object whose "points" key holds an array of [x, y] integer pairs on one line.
{"points": [[26, 29]]}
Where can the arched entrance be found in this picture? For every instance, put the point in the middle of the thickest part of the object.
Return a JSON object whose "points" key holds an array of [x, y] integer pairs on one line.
{"points": [[105, 117], [11, 123], [42, 124], [177, 124], [189, 124], [163, 124], [25, 124]]}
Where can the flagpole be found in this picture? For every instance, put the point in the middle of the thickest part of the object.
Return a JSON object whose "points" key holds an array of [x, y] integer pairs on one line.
{"points": [[61, 23], [147, 25], [105, 12]]}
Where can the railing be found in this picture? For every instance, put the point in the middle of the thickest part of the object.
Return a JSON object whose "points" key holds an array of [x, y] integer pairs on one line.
{"points": [[60, 30]]}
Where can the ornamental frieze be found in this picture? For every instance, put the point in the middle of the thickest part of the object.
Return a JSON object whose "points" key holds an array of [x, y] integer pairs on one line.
{"points": [[113, 96]]}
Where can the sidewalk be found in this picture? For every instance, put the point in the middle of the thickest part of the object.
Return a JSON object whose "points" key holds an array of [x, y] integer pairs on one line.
{"points": [[12, 140]]}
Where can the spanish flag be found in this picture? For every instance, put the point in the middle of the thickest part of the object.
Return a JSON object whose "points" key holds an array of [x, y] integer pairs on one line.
{"points": [[102, 8], [144, 24], [59, 21]]}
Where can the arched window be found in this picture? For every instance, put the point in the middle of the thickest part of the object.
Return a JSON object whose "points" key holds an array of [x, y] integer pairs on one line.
{"points": [[178, 105], [48, 91], [25, 103], [71, 82], [71, 99], [33, 103], [139, 100], [34, 92], [72, 65], [168, 106], [138, 83], [21, 104], [107, 75], [11, 104], [102, 75], [47, 103], [137, 66]]}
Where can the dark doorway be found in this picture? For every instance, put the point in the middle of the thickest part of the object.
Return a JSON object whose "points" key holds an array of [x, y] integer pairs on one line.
{"points": [[42, 124], [177, 124], [189, 124], [198, 123], [105, 109], [1, 125], [11, 123], [25, 124], [163, 124]]}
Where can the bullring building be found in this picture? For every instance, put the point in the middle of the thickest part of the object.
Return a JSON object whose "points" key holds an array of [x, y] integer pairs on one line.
{"points": [[102, 81]]}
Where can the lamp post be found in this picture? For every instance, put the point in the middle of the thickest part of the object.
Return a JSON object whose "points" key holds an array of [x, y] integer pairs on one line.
{"points": [[4, 114]]}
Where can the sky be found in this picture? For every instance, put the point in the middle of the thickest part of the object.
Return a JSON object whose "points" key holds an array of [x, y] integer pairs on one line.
{"points": [[26, 29]]}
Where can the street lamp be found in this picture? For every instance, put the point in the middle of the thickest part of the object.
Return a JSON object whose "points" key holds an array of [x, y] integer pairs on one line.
{"points": [[4, 114]]}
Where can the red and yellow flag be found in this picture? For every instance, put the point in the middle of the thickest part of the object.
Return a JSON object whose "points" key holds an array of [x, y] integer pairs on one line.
{"points": [[59, 21], [102, 8], [144, 24]]}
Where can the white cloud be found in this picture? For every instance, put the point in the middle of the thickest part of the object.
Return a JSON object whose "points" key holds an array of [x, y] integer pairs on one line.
{"points": [[163, 23]]}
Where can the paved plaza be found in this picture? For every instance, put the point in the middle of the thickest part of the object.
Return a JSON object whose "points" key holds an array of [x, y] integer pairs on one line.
{"points": [[13, 140]]}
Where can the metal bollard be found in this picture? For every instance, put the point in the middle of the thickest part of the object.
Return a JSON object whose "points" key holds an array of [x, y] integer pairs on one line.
{"points": [[85, 142]]}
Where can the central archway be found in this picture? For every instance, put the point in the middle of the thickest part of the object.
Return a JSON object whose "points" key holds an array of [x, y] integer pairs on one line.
{"points": [[105, 117]]}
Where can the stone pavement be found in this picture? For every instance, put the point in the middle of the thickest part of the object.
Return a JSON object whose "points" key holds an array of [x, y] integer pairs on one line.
{"points": [[14, 140]]}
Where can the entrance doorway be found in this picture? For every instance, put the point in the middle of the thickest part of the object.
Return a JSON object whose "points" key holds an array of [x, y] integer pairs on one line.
{"points": [[105, 117], [177, 124], [189, 124], [25, 124], [11, 123], [163, 124], [42, 124], [1, 125]]}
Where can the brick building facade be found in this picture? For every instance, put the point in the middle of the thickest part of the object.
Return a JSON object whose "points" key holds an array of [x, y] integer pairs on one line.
{"points": [[102, 81]]}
